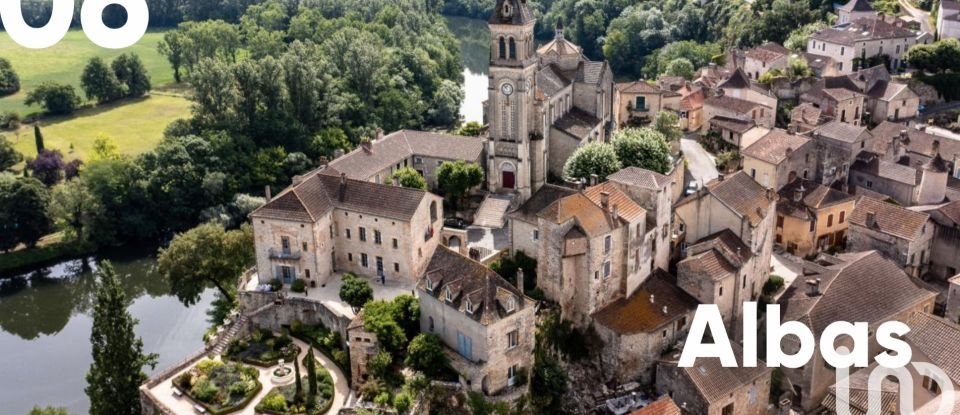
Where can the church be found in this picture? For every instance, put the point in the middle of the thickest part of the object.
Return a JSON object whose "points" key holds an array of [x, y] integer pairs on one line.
{"points": [[543, 103]]}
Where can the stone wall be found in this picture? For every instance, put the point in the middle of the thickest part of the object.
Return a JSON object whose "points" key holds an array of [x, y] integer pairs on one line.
{"points": [[293, 308]]}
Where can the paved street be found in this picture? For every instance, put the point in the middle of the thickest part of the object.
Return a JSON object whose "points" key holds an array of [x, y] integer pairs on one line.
{"points": [[921, 15], [700, 163]]}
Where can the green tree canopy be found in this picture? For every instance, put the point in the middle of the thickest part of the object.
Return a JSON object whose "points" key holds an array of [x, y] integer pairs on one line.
{"points": [[49, 410], [699, 54], [456, 178], [548, 384], [131, 73], [939, 57], [75, 209], [56, 99], [355, 291], [9, 156], [408, 177], [594, 158], [668, 124], [9, 80], [797, 39], [426, 354], [206, 256], [681, 67], [115, 376], [23, 211], [99, 82], [643, 147]]}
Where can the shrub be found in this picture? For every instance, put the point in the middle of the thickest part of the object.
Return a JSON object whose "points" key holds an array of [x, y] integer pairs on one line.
{"points": [[773, 285], [9, 81], [383, 399], [296, 326], [274, 402], [241, 387], [10, 119], [402, 402], [298, 286], [207, 365], [257, 335], [57, 99], [425, 354], [276, 284], [184, 381], [204, 391]]}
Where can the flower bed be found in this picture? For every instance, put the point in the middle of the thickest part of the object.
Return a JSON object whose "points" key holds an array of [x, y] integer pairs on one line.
{"points": [[263, 349], [324, 340], [220, 387], [282, 400]]}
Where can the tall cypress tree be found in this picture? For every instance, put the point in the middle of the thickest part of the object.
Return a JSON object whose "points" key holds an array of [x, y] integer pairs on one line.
{"points": [[38, 136], [311, 375], [118, 358], [296, 372]]}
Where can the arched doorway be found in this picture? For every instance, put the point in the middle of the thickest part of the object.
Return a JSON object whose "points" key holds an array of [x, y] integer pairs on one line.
{"points": [[454, 243], [508, 176]]}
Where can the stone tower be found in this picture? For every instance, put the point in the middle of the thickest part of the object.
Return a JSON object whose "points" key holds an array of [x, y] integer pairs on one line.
{"points": [[510, 106]]}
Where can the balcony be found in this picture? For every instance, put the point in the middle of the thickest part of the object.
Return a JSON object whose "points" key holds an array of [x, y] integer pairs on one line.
{"points": [[284, 254]]}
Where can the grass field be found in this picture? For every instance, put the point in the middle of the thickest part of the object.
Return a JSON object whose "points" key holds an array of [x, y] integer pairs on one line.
{"points": [[65, 61], [135, 126]]}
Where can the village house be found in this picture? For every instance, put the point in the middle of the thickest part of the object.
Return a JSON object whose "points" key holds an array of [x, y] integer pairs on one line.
{"points": [[952, 309], [853, 10], [525, 222], [691, 106], [903, 181], [903, 235], [837, 98], [838, 145], [655, 193], [638, 329], [820, 65], [945, 253], [850, 44], [812, 218], [363, 347], [948, 20], [708, 388], [885, 98], [736, 108], [896, 141], [720, 269], [857, 287], [326, 223], [738, 133], [376, 160], [487, 323], [638, 103], [806, 117], [779, 157], [662, 406], [740, 86], [765, 58]]}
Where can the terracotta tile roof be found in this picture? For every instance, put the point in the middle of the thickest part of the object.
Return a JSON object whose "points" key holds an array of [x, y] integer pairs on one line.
{"points": [[719, 256], [636, 176], [715, 382], [593, 220], [775, 146], [862, 29], [951, 211], [637, 314], [710, 263], [392, 149], [320, 191], [732, 124], [938, 339], [638, 87], [626, 207], [859, 394], [470, 284], [888, 91], [768, 52], [815, 196], [919, 142], [546, 195], [740, 193], [862, 287], [889, 218], [662, 406], [561, 47], [693, 100], [740, 106], [578, 123], [806, 113]]}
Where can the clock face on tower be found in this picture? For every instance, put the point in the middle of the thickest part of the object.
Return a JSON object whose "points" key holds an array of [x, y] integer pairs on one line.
{"points": [[507, 89]]}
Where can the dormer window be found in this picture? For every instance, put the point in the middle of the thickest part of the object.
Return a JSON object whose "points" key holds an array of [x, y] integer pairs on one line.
{"points": [[511, 305], [507, 10], [449, 295], [469, 306], [429, 284]]}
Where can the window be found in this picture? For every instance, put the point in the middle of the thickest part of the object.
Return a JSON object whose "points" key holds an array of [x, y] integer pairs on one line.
{"points": [[931, 385], [536, 234], [513, 49], [779, 238], [607, 244], [429, 284], [869, 184], [448, 295], [753, 173], [348, 233], [285, 244], [728, 410], [305, 246], [513, 339], [843, 116], [396, 243], [377, 237], [842, 216], [606, 269], [363, 260], [641, 104], [813, 226], [829, 221], [841, 50], [349, 257], [664, 334], [779, 221], [503, 48], [363, 234], [721, 291], [510, 305], [396, 267], [681, 323]]}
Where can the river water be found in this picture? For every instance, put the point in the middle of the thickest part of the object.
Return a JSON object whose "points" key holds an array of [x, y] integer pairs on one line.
{"points": [[475, 51], [45, 321]]}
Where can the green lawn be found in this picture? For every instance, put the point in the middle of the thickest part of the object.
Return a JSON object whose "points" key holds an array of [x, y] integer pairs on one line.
{"points": [[135, 126], [65, 61]]}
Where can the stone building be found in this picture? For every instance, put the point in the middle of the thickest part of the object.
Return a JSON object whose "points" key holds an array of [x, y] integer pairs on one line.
{"points": [[595, 248], [708, 388], [327, 223], [837, 98], [858, 287], [740, 86], [363, 347], [525, 223], [896, 141], [780, 157], [543, 103], [487, 323], [639, 102], [655, 193], [738, 204], [945, 252], [376, 161], [806, 117], [863, 38], [812, 218], [739, 133], [738, 109], [765, 58], [952, 311], [948, 20], [638, 329], [853, 10], [903, 235], [838, 145]]}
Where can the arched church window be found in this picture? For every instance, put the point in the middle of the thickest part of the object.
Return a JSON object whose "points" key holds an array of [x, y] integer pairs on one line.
{"points": [[513, 49], [503, 48]]}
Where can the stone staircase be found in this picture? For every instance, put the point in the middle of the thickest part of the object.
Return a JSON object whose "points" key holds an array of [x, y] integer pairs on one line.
{"points": [[492, 212], [227, 335]]}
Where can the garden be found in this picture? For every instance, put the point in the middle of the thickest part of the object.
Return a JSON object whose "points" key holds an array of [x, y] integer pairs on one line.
{"points": [[220, 387], [263, 348], [325, 340], [292, 399]]}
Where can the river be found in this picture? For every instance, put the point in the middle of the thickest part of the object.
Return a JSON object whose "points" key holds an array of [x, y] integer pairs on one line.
{"points": [[45, 321], [475, 51]]}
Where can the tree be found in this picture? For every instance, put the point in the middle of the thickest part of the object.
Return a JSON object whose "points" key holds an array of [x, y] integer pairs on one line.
{"points": [[48, 167], [408, 177], [49, 410], [74, 209], [100, 83], [446, 103], [116, 373], [23, 211], [56, 99], [797, 39], [105, 149], [328, 141], [299, 381], [379, 317], [72, 169], [130, 71], [355, 291], [681, 67], [470, 129], [9, 156], [668, 124], [643, 147], [9, 80], [174, 48], [776, 21], [38, 138], [632, 36], [939, 57], [311, 363], [456, 178], [548, 384], [426, 354], [595, 158], [699, 54], [798, 69], [205, 256]]}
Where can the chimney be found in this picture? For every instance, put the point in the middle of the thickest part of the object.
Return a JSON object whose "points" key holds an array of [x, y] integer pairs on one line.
{"points": [[520, 280], [813, 287], [652, 299], [594, 179], [615, 212], [798, 193], [604, 200], [366, 144], [343, 186], [665, 311], [871, 219], [791, 128], [267, 192], [323, 161], [379, 134], [935, 147], [720, 177]]}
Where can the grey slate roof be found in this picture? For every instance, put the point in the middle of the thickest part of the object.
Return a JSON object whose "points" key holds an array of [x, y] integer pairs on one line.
{"points": [[740, 106], [840, 131], [635, 176], [862, 29], [939, 340], [715, 382], [890, 219], [577, 123], [887, 170], [392, 149], [545, 196], [775, 146], [740, 193]]}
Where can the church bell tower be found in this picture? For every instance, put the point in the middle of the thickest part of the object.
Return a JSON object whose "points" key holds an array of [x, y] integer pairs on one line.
{"points": [[513, 66]]}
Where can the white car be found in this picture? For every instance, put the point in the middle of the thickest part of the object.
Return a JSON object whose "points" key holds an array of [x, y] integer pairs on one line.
{"points": [[692, 187]]}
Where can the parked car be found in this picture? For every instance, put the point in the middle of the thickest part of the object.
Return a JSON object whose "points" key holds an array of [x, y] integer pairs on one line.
{"points": [[455, 223], [692, 187]]}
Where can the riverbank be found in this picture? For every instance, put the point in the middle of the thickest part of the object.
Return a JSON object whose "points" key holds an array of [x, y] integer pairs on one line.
{"points": [[48, 251]]}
